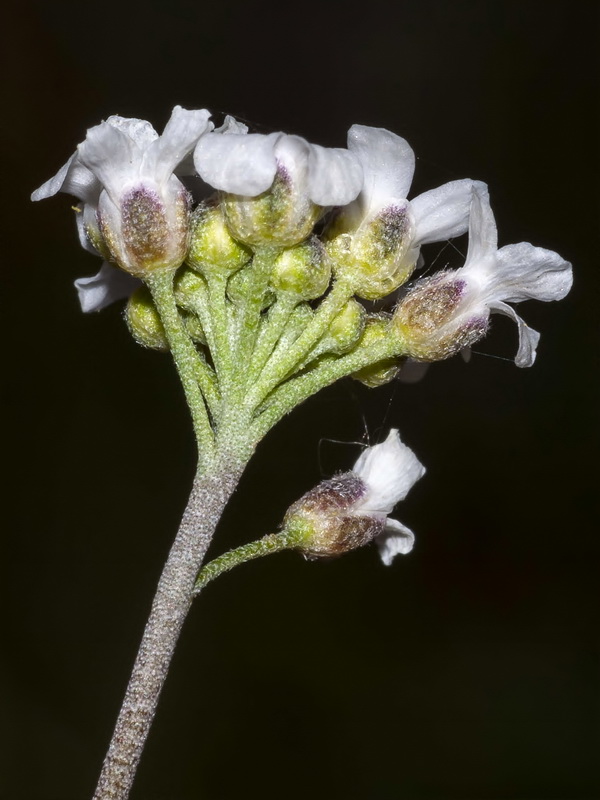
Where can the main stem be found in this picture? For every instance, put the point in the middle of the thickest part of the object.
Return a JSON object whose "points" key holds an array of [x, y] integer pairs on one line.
{"points": [[172, 601]]}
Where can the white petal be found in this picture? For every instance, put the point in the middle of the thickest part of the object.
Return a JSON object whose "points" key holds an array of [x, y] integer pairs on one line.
{"points": [[528, 337], [109, 285], [72, 178], [335, 176], [242, 164], [113, 157], [179, 138], [442, 213], [140, 130], [388, 164], [396, 540], [389, 470], [526, 272], [483, 233]]}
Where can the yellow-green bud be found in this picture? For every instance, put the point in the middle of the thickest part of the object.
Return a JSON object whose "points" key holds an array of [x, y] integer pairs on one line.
{"points": [[212, 248], [378, 327], [303, 271], [282, 216], [378, 256], [238, 287], [194, 327], [143, 321], [186, 286], [347, 328]]}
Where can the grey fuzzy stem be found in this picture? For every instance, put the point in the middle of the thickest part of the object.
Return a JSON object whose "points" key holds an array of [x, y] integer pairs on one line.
{"points": [[172, 601]]}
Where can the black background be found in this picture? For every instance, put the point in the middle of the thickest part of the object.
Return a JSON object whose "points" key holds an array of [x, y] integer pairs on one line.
{"points": [[469, 669]]}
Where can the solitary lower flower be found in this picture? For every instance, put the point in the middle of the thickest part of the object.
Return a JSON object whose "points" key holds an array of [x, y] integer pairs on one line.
{"points": [[377, 238], [136, 211], [449, 311], [276, 185], [353, 508]]}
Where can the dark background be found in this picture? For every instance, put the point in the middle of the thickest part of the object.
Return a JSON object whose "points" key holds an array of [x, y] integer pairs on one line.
{"points": [[469, 669]]}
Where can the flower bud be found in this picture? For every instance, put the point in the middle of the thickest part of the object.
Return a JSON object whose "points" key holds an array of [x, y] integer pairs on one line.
{"points": [[434, 318], [325, 519], [143, 321], [239, 285], [212, 248], [194, 328], [346, 328], [303, 271], [378, 326], [378, 256], [186, 286]]}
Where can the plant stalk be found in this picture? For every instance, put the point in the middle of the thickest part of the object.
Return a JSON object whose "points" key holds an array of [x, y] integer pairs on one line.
{"points": [[210, 493]]}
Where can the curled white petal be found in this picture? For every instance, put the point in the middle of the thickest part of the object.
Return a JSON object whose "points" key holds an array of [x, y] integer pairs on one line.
{"points": [[178, 139], [139, 130], [396, 540], [231, 125], [442, 213], [483, 233], [72, 178], [388, 163], [112, 156], [526, 272], [389, 470], [109, 285], [238, 163], [528, 337]]}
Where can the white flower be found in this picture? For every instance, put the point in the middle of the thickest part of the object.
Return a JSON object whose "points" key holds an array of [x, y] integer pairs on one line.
{"points": [[388, 470], [352, 509], [135, 208], [451, 310], [379, 235], [303, 179]]}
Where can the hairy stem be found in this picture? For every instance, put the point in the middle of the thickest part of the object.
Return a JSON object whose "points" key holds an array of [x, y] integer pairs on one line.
{"points": [[197, 380], [272, 543], [169, 609]]}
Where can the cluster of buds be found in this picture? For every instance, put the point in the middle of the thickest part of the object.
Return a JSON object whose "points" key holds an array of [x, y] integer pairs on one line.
{"points": [[322, 214]]}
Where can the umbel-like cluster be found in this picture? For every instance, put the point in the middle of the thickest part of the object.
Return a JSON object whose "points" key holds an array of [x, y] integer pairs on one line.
{"points": [[270, 246]]}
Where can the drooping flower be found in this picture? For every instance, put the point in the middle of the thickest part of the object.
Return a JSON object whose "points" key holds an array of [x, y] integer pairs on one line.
{"points": [[353, 508], [275, 186], [136, 211], [450, 311], [377, 238]]}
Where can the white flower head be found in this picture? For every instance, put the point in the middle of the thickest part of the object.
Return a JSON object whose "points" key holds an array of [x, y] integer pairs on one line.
{"points": [[135, 209], [276, 185], [378, 236], [353, 508], [443, 314]]}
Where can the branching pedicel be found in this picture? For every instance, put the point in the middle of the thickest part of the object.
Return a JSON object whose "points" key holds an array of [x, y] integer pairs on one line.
{"points": [[260, 312]]}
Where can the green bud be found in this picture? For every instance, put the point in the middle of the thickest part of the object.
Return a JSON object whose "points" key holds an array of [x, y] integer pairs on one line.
{"points": [[194, 327], [303, 270], [239, 285], [186, 286], [212, 248], [378, 256], [143, 321], [378, 327], [347, 328], [282, 216]]}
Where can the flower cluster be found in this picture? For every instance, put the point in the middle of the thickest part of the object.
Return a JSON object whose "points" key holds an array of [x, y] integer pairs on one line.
{"points": [[271, 191]]}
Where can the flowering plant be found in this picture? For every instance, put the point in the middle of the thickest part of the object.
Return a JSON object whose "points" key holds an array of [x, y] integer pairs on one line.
{"points": [[257, 290]]}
